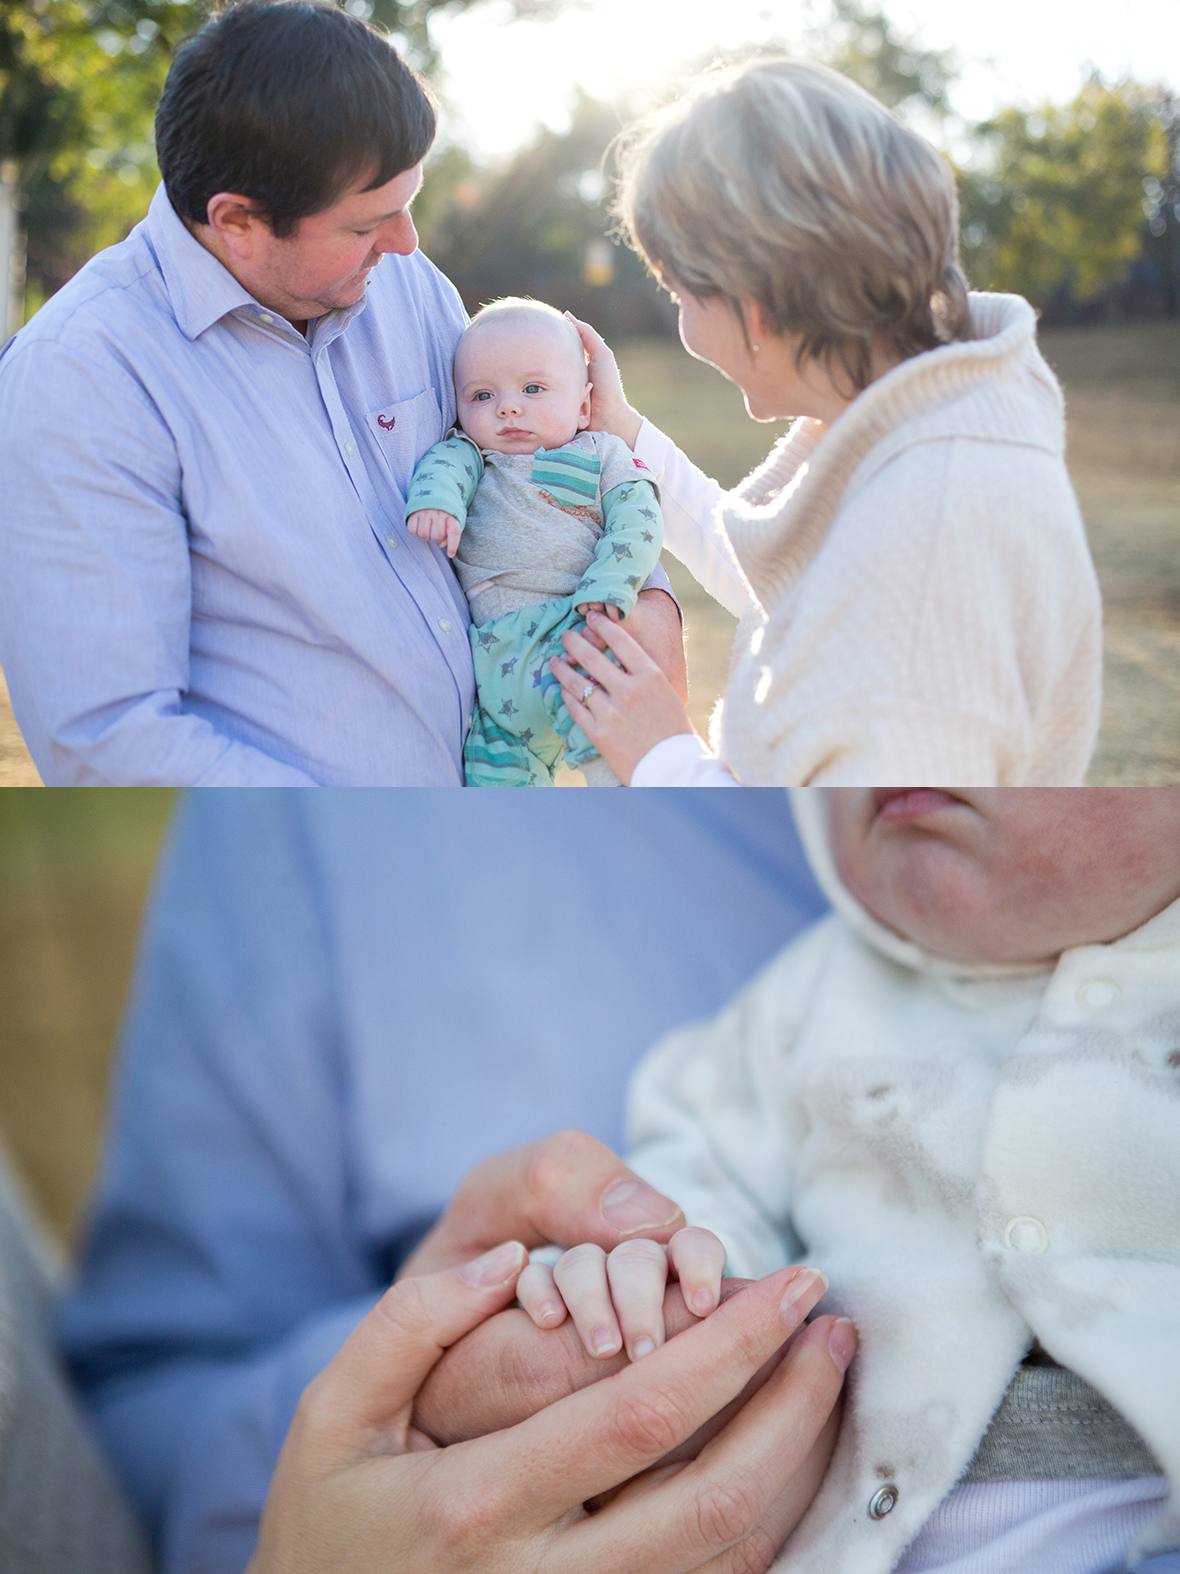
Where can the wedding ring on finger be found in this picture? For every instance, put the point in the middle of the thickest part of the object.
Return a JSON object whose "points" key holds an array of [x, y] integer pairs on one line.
{"points": [[586, 693]]}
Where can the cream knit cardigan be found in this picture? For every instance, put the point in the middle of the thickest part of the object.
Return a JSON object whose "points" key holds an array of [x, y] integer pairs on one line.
{"points": [[976, 1156], [920, 602]]}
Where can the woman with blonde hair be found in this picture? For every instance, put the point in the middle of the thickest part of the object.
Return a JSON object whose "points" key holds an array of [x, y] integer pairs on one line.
{"points": [[909, 564]]}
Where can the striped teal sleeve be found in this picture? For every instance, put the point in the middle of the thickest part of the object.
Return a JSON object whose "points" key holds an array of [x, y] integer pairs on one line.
{"points": [[446, 478]]}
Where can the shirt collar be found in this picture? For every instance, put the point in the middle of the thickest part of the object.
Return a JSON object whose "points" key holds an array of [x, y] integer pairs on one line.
{"points": [[201, 290]]}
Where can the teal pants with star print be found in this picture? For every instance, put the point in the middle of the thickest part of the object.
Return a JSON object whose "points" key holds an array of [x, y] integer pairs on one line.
{"points": [[520, 726]]}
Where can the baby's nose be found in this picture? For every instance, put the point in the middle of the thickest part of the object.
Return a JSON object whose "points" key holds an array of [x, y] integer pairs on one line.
{"points": [[509, 405]]}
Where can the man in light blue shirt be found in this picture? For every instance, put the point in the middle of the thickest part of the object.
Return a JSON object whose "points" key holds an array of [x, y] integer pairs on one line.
{"points": [[206, 439], [342, 1005]]}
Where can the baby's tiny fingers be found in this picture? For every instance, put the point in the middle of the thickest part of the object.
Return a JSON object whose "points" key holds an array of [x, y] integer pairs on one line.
{"points": [[699, 1260], [537, 1293], [637, 1271], [580, 1275]]}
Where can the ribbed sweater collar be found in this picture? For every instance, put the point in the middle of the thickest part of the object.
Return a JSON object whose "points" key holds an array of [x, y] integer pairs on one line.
{"points": [[805, 476]]}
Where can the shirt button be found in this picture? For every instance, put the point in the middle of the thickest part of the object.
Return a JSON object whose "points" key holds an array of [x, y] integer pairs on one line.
{"points": [[266, 318], [1025, 1234], [883, 1501], [391, 542], [350, 449], [445, 625], [1098, 992]]}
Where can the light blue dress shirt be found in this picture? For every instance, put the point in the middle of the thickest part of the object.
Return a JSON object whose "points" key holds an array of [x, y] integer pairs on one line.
{"points": [[344, 1001], [205, 577]]}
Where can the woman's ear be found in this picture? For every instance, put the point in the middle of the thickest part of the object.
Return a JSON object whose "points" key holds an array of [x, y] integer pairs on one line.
{"points": [[757, 324]]}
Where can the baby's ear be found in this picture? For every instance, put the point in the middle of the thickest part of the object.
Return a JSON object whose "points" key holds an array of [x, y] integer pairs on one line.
{"points": [[584, 411]]}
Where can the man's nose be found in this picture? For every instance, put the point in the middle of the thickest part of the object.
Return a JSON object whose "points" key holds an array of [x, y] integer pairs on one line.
{"points": [[399, 236]]}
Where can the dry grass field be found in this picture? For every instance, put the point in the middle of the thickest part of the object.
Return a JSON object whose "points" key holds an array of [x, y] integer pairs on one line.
{"points": [[76, 868], [1123, 391]]}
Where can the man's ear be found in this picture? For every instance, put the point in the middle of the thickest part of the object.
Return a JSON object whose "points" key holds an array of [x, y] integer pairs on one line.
{"points": [[584, 410], [237, 222]]}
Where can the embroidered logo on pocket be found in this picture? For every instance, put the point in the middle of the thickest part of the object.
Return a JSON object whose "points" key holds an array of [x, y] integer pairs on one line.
{"points": [[387, 422]]}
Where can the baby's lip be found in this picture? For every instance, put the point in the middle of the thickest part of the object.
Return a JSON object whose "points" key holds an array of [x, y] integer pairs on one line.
{"points": [[513, 431], [898, 804]]}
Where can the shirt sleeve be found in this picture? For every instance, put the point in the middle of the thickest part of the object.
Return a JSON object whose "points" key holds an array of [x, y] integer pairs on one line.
{"points": [[693, 531], [682, 761], [628, 549], [95, 592], [219, 1273], [446, 478], [709, 1122]]}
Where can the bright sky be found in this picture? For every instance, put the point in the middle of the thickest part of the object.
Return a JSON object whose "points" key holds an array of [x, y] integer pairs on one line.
{"points": [[503, 80]]}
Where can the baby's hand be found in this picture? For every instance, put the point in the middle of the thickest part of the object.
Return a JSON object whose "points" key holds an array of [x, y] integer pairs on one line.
{"points": [[432, 524], [608, 609], [617, 1301]]}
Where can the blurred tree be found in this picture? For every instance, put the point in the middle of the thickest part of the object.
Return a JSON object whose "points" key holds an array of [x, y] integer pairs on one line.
{"points": [[863, 43], [79, 80], [538, 227], [1060, 196], [1162, 247]]}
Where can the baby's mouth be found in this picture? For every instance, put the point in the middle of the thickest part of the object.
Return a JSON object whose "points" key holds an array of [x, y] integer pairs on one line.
{"points": [[904, 805]]}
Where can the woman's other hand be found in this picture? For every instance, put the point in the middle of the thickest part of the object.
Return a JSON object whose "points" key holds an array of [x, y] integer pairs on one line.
{"points": [[609, 409], [626, 707]]}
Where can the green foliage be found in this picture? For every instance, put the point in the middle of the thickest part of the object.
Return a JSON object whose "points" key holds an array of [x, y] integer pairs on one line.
{"points": [[1058, 199], [862, 42], [79, 80], [538, 228]]}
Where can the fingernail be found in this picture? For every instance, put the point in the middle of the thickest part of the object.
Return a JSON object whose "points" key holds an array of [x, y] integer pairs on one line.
{"points": [[494, 1266], [842, 1342], [806, 1284], [550, 1312], [634, 1205], [603, 1342], [642, 1347], [702, 1301]]}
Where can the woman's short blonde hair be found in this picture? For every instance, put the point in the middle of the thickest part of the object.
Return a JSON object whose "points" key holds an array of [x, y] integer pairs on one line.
{"points": [[785, 184]]}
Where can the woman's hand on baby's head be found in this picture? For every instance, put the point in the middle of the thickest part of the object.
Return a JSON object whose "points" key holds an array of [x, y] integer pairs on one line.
{"points": [[616, 1300], [433, 524]]}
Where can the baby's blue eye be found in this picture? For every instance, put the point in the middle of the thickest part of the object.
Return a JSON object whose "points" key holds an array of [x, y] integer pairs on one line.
{"points": [[533, 388], [476, 398]]}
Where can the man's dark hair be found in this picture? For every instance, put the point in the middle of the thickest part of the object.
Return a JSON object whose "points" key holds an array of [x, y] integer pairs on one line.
{"points": [[291, 103]]}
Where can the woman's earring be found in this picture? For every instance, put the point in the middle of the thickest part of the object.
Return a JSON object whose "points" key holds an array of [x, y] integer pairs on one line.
{"points": [[754, 348]]}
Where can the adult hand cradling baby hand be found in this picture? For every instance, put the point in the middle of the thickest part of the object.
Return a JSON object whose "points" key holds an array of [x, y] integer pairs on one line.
{"points": [[360, 1485]]}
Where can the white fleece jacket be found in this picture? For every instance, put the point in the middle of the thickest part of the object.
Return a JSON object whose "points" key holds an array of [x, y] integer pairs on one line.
{"points": [[917, 597], [975, 1156]]}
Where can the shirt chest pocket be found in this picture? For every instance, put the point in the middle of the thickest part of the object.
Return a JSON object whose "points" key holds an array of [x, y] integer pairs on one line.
{"points": [[400, 431]]}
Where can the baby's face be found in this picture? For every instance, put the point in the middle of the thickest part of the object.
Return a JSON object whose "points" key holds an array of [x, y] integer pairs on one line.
{"points": [[1015, 874], [520, 383]]}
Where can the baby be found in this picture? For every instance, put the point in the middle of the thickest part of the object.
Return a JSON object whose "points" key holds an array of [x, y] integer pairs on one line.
{"points": [[545, 520], [959, 1097]]}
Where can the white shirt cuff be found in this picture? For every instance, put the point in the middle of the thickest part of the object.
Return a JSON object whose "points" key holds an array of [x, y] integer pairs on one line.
{"points": [[682, 761]]}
